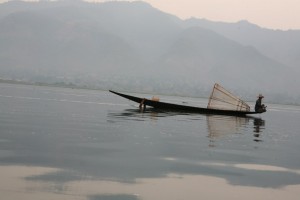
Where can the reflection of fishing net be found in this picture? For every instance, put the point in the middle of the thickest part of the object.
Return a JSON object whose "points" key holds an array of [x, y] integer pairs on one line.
{"points": [[223, 100], [221, 125]]}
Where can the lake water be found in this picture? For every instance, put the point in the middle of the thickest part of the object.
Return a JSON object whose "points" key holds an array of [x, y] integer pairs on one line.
{"points": [[58, 143]]}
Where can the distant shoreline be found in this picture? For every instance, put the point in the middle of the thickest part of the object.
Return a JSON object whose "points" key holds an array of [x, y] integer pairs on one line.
{"points": [[74, 86], [58, 84]]}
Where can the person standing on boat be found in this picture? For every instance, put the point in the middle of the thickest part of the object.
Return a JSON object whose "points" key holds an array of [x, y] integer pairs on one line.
{"points": [[259, 107]]}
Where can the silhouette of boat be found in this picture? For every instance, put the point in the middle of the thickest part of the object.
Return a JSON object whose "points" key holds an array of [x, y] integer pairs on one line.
{"points": [[221, 102]]}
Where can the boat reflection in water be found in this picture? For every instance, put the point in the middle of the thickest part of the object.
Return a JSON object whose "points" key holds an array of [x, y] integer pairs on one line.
{"points": [[220, 126], [141, 114]]}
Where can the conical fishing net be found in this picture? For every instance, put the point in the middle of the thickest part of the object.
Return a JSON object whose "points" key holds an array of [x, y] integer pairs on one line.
{"points": [[221, 99]]}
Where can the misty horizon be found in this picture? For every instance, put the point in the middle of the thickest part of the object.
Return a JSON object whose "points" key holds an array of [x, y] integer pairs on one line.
{"points": [[132, 46]]}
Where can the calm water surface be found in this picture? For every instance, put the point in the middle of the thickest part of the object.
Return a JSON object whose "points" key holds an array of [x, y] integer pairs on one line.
{"points": [[58, 143]]}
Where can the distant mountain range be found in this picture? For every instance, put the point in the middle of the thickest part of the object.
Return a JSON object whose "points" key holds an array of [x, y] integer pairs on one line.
{"points": [[131, 46]]}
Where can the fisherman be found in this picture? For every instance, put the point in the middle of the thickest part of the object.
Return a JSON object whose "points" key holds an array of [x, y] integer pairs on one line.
{"points": [[259, 107]]}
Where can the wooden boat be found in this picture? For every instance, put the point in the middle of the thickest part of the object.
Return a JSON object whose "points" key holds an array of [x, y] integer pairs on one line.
{"points": [[185, 108]]}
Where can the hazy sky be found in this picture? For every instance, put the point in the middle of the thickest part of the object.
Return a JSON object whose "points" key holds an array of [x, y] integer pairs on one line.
{"points": [[275, 14]]}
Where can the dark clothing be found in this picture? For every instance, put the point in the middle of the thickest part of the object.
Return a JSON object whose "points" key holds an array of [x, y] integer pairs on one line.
{"points": [[258, 106]]}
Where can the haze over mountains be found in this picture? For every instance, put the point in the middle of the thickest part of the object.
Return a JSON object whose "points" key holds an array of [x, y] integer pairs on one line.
{"points": [[131, 46]]}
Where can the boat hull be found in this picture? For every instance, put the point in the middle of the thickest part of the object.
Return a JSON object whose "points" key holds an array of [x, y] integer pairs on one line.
{"points": [[182, 108]]}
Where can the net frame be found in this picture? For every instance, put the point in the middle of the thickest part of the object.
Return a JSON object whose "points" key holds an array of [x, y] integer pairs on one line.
{"points": [[222, 99]]}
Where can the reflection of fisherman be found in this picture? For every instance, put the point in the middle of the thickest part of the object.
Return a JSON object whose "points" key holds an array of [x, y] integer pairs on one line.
{"points": [[259, 107], [258, 123]]}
